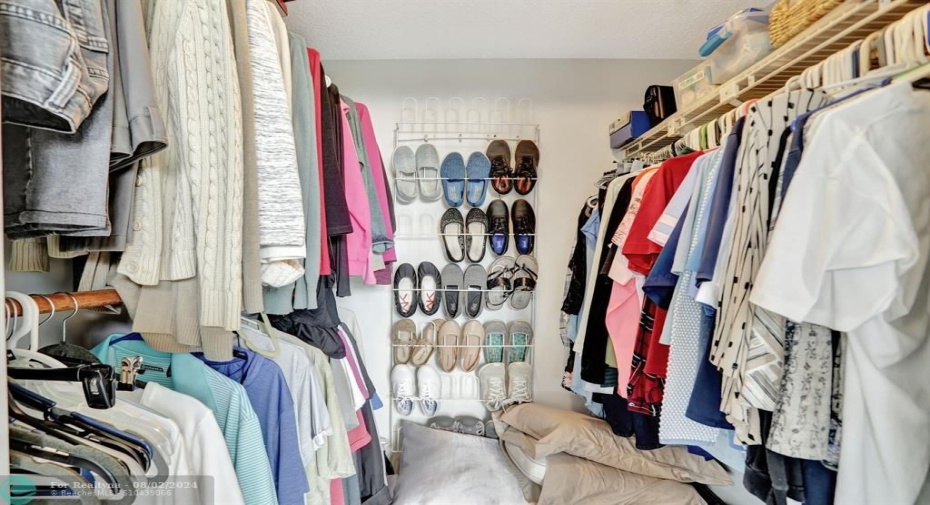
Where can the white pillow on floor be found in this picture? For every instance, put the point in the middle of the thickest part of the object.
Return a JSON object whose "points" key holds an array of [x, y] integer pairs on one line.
{"points": [[444, 468]]}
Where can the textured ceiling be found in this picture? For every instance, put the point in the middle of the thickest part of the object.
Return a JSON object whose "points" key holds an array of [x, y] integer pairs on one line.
{"points": [[427, 29]]}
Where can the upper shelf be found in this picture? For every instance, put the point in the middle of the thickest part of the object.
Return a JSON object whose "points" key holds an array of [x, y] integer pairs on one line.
{"points": [[851, 21]]}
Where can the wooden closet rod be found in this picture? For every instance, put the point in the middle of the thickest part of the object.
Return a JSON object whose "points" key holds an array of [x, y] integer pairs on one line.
{"points": [[64, 303]]}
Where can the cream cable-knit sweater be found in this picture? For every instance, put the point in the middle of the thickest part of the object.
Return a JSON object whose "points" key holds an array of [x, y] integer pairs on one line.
{"points": [[188, 206], [281, 216]]}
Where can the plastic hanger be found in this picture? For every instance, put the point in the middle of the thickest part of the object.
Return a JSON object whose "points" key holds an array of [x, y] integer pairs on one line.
{"points": [[64, 393], [30, 323], [98, 381], [257, 326], [86, 428], [64, 458]]}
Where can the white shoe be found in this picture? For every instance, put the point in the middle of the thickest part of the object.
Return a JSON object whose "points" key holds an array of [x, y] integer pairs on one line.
{"points": [[520, 384], [429, 388], [403, 385], [493, 393]]}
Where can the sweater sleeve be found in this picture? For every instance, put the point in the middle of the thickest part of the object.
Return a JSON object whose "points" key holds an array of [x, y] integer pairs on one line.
{"points": [[280, 209], [211, 115]]}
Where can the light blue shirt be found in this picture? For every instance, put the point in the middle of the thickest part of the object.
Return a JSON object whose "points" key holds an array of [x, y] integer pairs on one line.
{"points": [[228, 400]]}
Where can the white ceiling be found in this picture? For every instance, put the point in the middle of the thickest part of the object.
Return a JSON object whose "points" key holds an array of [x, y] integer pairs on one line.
{"points": [[427, 29]]}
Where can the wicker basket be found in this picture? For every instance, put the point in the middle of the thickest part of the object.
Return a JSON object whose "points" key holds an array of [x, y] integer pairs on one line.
{"points": [[790, 17]]}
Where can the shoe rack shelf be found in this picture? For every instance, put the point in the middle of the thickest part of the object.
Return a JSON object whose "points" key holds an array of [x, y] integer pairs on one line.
{"points": [[418, 238]]}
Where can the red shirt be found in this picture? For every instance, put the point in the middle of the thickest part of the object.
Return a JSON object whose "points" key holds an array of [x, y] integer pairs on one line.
{"points": [[651, 357], [638, 249], [317, 80]]}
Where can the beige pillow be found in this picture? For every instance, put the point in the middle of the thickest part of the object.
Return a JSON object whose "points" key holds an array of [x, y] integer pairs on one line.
{"points": [[575, 480], [550, 430]]}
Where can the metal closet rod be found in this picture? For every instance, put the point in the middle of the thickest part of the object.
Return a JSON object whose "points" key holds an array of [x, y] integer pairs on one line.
{"points": [[63, 302]]}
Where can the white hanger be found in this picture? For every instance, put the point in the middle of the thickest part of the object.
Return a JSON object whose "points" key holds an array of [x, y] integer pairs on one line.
{"points": [[904, 45], [267, 330], [30, 323], [38, 357]]}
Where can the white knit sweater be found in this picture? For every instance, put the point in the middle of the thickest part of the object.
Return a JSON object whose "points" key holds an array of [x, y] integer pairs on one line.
{"points": [[188, 203], [280, 206]]}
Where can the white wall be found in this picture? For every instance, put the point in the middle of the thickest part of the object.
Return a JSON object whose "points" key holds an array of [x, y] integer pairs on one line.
{"points": [[574, 102]]}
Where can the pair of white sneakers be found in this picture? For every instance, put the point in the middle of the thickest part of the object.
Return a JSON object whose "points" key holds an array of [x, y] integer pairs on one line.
{"points": [[423, 386], [505, 384]]}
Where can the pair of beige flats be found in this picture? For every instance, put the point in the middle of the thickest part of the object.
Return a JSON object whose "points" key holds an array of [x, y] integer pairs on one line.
{"points": [[457, 344]]}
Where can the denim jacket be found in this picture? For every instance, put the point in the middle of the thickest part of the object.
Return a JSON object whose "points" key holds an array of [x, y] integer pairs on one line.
{"points": [[54, 65]]}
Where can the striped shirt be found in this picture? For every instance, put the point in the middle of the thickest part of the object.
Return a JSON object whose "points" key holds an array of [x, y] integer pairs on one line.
{"points": [[186, 374], [749, 347]]}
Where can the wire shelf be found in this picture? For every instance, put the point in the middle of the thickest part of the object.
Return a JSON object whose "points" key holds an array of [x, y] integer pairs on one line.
{"points": [[849, 22]]}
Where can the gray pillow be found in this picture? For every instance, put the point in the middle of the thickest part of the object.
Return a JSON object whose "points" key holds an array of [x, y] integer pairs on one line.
{"points": [[443, 468]]}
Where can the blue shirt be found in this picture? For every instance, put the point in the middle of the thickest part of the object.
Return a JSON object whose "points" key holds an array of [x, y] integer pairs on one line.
{"points": [[270, 397], [591, 229], [720, 204], [228, 400]]}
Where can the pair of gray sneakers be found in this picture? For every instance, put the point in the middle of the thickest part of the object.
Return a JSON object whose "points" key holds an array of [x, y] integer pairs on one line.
{"points": [[464, 424]]}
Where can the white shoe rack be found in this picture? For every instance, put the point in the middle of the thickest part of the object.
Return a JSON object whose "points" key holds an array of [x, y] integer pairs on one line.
{"points": [[418, 237]]}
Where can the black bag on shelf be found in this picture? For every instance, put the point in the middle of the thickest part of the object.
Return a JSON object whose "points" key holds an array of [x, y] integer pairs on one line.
{"points": [[659, 103]]}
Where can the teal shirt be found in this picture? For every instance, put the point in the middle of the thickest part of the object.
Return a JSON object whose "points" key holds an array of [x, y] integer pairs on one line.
{"points": [[228, 400]]}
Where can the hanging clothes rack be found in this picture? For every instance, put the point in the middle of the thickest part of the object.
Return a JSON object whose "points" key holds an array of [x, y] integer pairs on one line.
{"points": [[64, 302]]}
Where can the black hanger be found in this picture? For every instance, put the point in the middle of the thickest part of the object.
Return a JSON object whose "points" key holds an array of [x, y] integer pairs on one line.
{"points": [[80, 427], [64, 458], [97, 380]]}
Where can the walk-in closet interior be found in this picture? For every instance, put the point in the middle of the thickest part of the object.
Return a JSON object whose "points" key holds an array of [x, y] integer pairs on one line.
{"points": [[515, 252]]}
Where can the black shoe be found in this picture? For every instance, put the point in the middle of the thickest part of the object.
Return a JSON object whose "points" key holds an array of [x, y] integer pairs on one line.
{"points": [[452, 228], [430, 288], [527, 161], [524, 226], [501, 173], [498, 227], [476, 228], [405, 290]]}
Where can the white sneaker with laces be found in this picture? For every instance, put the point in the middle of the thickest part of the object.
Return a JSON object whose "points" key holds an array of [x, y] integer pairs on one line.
{"points": [[520, 385], [403, 386], [429, 389], [493, 391]]}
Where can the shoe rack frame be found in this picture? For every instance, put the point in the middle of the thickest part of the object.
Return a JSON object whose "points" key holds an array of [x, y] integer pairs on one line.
{"points": [[465, 138]]}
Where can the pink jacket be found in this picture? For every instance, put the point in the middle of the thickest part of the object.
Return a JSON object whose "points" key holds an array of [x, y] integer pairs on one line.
{"points": [[358, 242], [377, 170]]}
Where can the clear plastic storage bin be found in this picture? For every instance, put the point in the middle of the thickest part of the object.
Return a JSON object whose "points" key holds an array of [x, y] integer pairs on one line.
{"points": [[742, 41], [693, 86]]}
